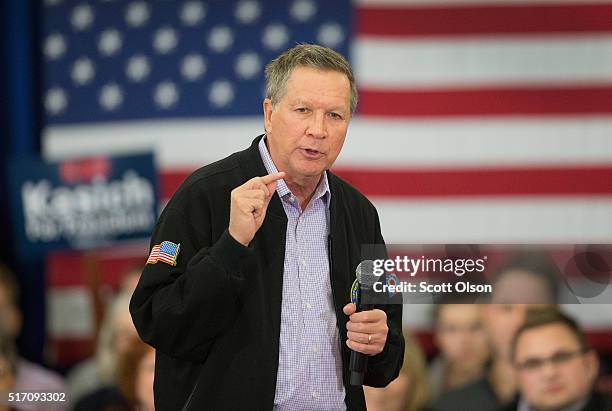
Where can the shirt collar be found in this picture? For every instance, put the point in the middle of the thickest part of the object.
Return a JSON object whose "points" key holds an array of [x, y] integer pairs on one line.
{"points": [[282, 189], [524, 406]]}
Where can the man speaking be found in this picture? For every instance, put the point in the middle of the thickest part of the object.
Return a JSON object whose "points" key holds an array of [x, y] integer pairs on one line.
{"points": [[245, 292]]}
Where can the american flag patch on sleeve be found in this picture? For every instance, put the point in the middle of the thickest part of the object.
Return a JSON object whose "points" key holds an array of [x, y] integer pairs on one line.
{"points": [[166, 252]]}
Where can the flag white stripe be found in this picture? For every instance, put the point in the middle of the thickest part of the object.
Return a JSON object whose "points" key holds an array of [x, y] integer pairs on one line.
{"points": [[496, 221], [69, 312], [482, 62], [370, 142]]}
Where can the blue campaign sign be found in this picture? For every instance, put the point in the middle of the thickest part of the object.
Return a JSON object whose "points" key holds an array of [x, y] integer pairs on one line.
{"points": [[81, 204]]}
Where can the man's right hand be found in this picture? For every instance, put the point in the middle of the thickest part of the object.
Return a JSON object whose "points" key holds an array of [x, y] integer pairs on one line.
{"points": [[249, 203]]}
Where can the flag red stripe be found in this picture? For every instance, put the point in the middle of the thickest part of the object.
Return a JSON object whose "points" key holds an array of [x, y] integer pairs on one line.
{"points": [[479, 102], [154, 255], [483, 19], [441, 183], [70, 351], [535, 181], [166, 258]]}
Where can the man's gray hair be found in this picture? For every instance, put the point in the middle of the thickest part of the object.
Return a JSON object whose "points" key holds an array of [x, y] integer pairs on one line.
{"points": [[306, 55]]}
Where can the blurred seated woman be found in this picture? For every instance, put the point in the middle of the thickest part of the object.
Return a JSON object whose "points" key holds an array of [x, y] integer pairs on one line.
{"points": [[464, 351], [408, 392], [134, 389], [136, 372], [116, 333]]}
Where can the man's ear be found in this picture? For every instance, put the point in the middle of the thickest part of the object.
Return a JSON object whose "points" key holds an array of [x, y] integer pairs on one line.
{"points": [[267, 112], [592, 362]]}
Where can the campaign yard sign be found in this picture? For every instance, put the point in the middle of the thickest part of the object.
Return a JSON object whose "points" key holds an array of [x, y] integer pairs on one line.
{"points": [[81, 204]]}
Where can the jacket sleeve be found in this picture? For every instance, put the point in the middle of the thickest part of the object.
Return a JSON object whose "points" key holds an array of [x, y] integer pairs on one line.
{"points": [[385, 367], [180, 309]]}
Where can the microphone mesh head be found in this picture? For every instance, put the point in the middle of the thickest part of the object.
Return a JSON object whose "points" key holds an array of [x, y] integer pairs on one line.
{"points": [[365, 274]]}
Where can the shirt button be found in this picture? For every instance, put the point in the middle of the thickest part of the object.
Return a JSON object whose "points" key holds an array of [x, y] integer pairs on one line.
{"points": [[292, 198], [308, 306], [315, 395], [314, 348], [303, 263]]}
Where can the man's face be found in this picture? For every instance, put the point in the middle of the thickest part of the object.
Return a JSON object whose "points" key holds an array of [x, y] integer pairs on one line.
{"points": [[501, 322], [306, 129], [519, 286], [563, 378], [460, 335]]}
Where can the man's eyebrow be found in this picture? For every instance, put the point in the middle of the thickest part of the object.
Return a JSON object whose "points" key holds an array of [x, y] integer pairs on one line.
{"points": [[298, 102], [302, 102], [559, 351]]}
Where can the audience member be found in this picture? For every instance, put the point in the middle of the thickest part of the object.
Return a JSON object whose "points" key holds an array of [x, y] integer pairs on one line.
{"points": [[29, 376], [136, 373], [555, 367], [527, 278], [114, 339], [133, 389], [408, 392], [460, 336]]}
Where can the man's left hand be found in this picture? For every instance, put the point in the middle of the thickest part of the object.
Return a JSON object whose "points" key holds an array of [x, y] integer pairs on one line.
{"points": [[366, 330]]}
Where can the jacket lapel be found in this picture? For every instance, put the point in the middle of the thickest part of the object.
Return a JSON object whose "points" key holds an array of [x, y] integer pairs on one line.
{"points": [[340, 270], [270, 241]]}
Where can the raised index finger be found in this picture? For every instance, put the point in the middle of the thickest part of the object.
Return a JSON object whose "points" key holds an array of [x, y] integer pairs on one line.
{"points": [[267, 179]]}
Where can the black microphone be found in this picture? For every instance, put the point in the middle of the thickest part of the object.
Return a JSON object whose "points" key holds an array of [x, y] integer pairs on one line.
{"points": [[363, 299]]}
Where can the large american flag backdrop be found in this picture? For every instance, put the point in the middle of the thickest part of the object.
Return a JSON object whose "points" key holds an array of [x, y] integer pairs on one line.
{"points": [[483, 121]]}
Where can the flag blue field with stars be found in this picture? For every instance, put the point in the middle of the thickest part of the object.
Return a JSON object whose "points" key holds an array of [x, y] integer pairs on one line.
{"points": [[123, 60]]}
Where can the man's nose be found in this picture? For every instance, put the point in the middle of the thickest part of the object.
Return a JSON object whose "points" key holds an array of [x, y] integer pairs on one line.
{"points": [[317, 127], [549, 369]]}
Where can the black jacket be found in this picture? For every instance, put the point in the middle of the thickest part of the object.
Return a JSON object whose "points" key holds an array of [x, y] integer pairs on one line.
{"points": [[214, 318]]}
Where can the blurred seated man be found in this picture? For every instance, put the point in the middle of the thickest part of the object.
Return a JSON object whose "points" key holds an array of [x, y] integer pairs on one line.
{"points": [[461, 338], [527, 278], [30, 376], [408, 392], [555, 367]]}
